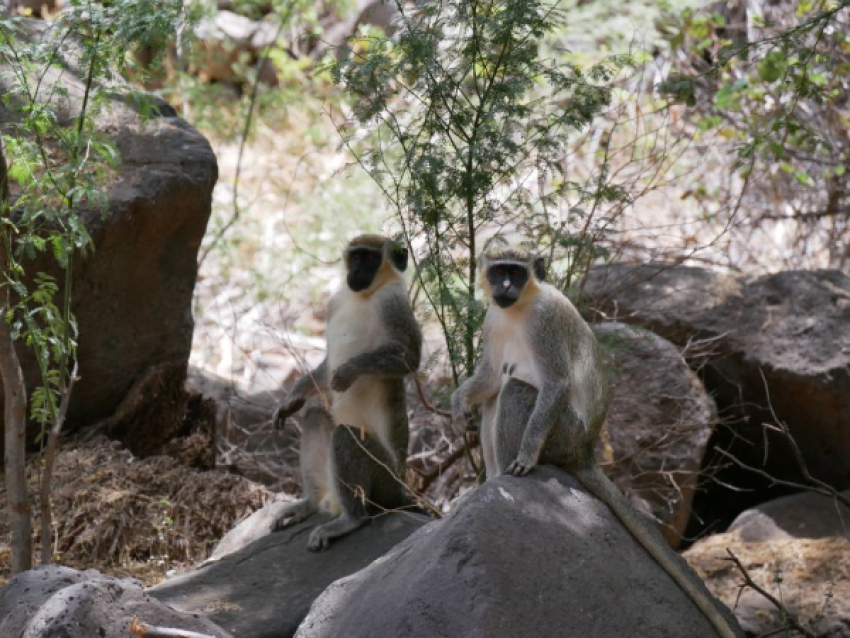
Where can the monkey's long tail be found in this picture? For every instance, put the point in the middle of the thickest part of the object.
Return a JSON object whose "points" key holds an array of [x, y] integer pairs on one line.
{"points": [[599, 485]]}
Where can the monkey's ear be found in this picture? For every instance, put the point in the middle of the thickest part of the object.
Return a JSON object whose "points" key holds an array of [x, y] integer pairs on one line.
{"points": [[399, 258], [540, 269]]}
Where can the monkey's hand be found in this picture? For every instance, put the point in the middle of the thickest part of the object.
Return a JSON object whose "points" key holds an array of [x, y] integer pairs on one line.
{"points": [[461, 414], [286, 410], [521, 465], [343, 378]]}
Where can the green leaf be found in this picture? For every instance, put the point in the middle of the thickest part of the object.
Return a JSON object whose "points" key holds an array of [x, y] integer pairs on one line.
{"points": [[772, 66]]}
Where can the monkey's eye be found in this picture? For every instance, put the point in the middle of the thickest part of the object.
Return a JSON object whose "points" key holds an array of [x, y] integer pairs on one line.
{"points": [[364, 258], [497, 273]]}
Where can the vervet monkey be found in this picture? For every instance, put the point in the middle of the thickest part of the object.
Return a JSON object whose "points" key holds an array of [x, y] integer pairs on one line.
{"points": [[353, 457], [545, 396]]}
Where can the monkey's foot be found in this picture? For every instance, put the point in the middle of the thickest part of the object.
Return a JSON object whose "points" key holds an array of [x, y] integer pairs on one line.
{"points": [[318, 540], [292, 515], [519, 468], [320, 537]]}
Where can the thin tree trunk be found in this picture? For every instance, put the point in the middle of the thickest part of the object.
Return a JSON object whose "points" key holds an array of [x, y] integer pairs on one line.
{"points": [[15, 409], [47, 476]]}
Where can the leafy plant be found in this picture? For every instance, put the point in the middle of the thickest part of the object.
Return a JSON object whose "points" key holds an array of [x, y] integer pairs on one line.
{"points": [[775, 96], [59, 164], [462, 118]]}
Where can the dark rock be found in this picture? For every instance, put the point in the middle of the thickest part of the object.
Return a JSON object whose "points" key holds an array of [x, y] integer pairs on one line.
{"points": [[773, 349], [804, 515], [58, 602], [246, 439], [658, 425], [531, 556], [132, 296], [265, 589]]}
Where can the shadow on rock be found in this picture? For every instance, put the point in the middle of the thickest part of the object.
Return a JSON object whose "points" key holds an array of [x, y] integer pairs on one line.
{"points": [[532, 556], [264, 584]]}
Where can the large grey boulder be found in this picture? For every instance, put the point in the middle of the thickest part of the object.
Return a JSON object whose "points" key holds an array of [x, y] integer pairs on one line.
{"points": [[531, 556], [132, 295], [265, 589], [658, 425], [804, 515], [775, 349], [58, 602]]}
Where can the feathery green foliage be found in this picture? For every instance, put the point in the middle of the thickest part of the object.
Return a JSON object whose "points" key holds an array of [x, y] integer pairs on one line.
{"points": [[462, 118]]}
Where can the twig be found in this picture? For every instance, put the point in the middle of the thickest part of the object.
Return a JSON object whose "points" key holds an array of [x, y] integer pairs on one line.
{"points": [[442, 466], [790, 620], [828, 491], [798, 455], [143, 630], [425, 401]]}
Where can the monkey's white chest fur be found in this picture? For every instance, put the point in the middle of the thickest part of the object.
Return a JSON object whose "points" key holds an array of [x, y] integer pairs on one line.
{"points": [[509, 350], [352, 330]]}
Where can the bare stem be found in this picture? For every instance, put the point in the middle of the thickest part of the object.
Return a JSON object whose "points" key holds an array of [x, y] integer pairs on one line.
{"points": [[790, 619], [15, 409]]}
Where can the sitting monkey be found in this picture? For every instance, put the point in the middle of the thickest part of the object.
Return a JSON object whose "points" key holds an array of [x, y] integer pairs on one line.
{"points": [[542, 385], [353, 458]]}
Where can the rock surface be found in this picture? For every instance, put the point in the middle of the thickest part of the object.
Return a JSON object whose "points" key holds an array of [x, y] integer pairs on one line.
{"points": [[265, 589], [527, 556], [776, 351], [58, 602], [804, 515], [132, 296], [246, 439], [659, 423], [253, 528], [810, 576], [227, 40]]}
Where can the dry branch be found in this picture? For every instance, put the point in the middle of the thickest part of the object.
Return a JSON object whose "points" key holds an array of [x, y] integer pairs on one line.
{"points": [[790, 619], [428, 405], [143, 630]]}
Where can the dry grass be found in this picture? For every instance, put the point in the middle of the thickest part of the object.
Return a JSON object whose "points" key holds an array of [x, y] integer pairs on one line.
{"points": [[131, 517]]}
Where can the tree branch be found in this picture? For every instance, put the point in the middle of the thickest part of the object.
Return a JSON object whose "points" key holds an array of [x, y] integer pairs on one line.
{"points": [[790, 619]]}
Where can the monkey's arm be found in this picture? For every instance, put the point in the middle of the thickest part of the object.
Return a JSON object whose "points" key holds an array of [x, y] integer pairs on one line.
{"points": [[482, 385], [306, 387], [398, 356]]}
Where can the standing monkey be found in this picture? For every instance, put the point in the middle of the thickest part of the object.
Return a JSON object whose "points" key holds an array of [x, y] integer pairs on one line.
{"points": [[544, 396], [353, 457]]}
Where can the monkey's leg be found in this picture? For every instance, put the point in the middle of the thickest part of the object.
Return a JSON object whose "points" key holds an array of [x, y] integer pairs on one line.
{"points": [[514, 407], [647, 535], [366, 475], [567, 444], [314, 459]]}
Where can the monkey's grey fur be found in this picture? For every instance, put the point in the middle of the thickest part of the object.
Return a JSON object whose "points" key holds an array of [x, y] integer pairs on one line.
{"points": [[353, 455], [544, 394]]}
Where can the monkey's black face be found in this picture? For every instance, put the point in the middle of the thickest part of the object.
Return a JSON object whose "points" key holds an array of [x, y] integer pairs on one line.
{"points": [[363, 265], [506, 282]]}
